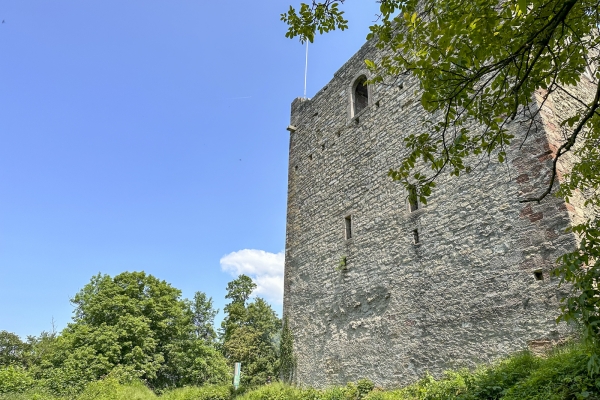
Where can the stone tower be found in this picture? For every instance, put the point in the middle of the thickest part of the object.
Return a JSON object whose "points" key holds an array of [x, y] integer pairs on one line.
{"points": [[455, 283]]}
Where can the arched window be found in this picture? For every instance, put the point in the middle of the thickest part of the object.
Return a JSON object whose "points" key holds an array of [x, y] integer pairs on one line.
{"points": [[360, 95]]}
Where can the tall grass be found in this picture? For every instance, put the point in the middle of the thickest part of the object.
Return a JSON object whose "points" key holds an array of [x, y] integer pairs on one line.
{"points": [[211, 392], [112, 389]]}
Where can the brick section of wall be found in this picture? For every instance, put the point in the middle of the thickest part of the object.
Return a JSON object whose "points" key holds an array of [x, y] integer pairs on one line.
{"points": [[558, 107], [464, 295]]}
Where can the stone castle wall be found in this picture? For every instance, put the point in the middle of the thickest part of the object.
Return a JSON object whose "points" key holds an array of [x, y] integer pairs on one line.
{"points": [[465, 294]]}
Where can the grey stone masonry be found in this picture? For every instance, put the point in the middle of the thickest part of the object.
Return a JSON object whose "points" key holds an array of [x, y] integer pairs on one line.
{"points": [[461, 281]]}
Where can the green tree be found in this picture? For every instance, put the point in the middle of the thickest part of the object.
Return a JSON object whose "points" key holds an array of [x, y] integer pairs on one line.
{"points": [[203, 316], [13, 351], [193, 362], [139, 324], [249, 333], [238, 291], [41, 347], [287, 359], [493, 62]]}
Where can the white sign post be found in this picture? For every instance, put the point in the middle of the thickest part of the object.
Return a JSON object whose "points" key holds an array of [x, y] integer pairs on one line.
{"points": [[237, 373]]}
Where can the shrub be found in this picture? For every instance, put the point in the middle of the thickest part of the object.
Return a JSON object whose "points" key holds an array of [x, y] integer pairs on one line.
{"points": [[274, 391], [64, 381], [209, 392], [280, 391], [562, 375], [15, 379], [364, 387], [334, 393], [111, 389], [31, 394]]}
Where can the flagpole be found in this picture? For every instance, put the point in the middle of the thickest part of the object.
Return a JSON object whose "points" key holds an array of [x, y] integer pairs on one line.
{"points": [[305, 69]]}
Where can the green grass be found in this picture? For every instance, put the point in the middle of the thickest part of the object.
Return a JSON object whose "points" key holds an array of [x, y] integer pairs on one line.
{"points": [[561, 375], [199, 393], [111, 389]]}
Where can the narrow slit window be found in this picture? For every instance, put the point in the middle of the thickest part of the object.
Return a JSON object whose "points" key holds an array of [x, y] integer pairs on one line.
{"points": [[360, 95], [413, 201], [416, 236], [348, 222]]}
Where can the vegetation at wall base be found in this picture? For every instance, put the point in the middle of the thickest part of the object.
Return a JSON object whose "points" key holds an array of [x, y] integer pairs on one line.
{"points": [[287, 359], [559, 375]]}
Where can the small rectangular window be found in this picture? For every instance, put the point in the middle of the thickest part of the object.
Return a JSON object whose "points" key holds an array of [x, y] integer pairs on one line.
{"points": [[412, 199], [348, 221], [416, 236]]}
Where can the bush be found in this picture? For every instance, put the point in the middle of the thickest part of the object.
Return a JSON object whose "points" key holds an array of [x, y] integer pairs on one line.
{"points": [[31, 394], [280, 391], [561, 375], [334, 393], [209, 392], [274, 391], [111, 389], [364, 387], [15, 380], [64, 381]]}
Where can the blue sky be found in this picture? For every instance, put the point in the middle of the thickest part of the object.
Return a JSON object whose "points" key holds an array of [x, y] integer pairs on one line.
{"points": [[147, 135]]}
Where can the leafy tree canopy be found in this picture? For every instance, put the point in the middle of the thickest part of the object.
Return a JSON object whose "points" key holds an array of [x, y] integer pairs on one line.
{"points": [[203, 316], [240, 289], [12, 350], [140, 324]]}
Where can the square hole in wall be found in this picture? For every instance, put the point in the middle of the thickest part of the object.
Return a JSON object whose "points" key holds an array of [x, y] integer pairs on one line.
{"points": [[539, 275], [416, 236]]}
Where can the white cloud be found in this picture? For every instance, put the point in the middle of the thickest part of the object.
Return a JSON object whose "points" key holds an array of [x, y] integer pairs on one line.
{"points": [[265, 269]]}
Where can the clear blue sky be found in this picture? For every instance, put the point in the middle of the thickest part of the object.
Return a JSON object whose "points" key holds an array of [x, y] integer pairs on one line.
{"points": [[145, 135]]}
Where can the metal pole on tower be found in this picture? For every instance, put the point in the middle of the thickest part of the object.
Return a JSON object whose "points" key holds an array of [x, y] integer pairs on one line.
{"points": [[305, 69]]}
